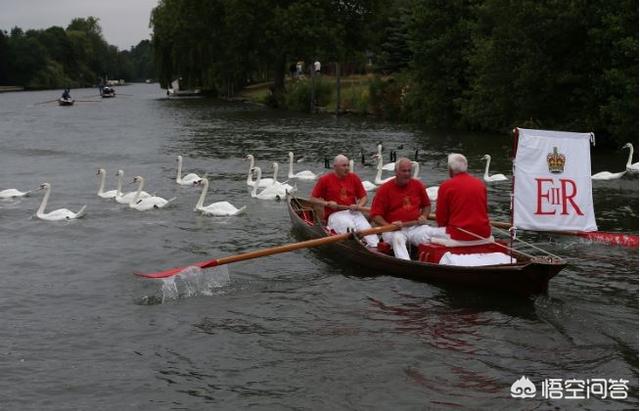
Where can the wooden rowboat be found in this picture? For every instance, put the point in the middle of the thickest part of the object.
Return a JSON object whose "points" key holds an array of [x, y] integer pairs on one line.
{"points": [[527, 276]]}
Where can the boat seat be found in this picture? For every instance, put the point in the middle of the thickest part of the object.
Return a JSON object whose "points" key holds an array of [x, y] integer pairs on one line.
{"points": [[432, 253], [448, 242]]}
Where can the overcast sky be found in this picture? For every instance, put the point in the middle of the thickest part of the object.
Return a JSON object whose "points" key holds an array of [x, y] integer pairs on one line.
{"points": [[124, 22]]}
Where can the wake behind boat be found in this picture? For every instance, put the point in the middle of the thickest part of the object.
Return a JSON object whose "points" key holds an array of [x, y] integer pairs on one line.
{"points": [[527, 275]]}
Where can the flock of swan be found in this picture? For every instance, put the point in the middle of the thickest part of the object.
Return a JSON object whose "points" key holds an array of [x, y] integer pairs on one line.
{"points": [[268, 188]]}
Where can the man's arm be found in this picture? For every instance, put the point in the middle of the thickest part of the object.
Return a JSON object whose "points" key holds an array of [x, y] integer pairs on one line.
{"points": [[425, 215]]}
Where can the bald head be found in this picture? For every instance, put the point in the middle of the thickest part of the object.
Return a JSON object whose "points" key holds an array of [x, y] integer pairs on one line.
{"points": [[341, 165], [402, 162], [403, 171]]}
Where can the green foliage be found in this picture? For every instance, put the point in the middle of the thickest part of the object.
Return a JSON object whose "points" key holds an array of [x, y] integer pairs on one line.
{"points": [[77, 56], [388, 97], [298, 94]]}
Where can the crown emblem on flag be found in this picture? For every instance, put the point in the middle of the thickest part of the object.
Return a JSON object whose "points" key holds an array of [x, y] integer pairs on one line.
{"points": [[556, 161]]}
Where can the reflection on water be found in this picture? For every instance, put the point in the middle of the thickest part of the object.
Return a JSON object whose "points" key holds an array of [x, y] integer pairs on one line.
{"points": [[294, 330]]}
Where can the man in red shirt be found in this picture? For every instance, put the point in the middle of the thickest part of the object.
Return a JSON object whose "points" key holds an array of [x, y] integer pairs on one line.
{"points": [[343, 188], [404, 199], [462, 202]]}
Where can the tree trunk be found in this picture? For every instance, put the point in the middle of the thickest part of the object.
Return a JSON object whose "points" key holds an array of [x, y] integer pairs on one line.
{"points": [[279, 73]]}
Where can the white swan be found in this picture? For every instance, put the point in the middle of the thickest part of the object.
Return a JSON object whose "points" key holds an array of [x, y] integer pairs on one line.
{"points": [[631, 168], [378, 180], [300, 175], [273, 192], [13, 193], [218, 209], [389, 166], [494, 178], [368, 185], [432, 192], [148, 203], [126, 198], [607, 175], [187, 180], [284, 185], [265, 182], [59, 214], [101, 193]]}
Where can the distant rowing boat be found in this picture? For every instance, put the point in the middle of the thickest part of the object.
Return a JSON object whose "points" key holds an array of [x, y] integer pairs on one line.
{"points": [[175, 91], [65, 101]]}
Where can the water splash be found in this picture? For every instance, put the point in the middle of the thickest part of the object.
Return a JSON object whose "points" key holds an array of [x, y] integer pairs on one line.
{"points": [[190, 282]]}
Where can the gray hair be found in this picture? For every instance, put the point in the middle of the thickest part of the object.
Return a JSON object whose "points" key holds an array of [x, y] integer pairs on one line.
{"points": [[457, 163], [401, 160], [340, 157]]}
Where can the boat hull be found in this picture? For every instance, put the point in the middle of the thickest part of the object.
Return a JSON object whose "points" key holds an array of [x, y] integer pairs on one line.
{"points": [[528, 276]]}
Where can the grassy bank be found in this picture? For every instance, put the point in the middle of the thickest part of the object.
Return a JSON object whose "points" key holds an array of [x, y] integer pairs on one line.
{"points": [[354, 94]]}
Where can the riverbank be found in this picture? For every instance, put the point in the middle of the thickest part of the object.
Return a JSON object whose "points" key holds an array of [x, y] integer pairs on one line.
{"points": [[354, 94], [5, 89]]}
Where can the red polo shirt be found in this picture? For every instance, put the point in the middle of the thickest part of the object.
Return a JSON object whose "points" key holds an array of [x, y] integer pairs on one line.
{"points": [[344, 191], [395, 203], [462, 202]]}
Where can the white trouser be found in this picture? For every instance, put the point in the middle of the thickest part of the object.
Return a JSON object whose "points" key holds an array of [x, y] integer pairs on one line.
{"points": [[417, 234], [345, 220]]}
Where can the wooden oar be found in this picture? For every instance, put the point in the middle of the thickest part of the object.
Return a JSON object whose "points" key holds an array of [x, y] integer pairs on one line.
{"points": [[275, 250], [46, 102]]}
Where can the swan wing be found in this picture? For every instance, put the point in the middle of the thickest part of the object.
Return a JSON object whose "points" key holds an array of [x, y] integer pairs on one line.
{"points": [[61, 214], [606, 175], [389, 166], [12, 192], [369, 186], [305, 175], [222, 208], [109, 194]]}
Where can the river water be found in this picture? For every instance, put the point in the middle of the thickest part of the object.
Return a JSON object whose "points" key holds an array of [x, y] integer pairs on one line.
{"points": [[293, 331]]}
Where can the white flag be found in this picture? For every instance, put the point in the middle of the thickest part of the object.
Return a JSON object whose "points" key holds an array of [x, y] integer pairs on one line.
{"points": [[552, 186]]}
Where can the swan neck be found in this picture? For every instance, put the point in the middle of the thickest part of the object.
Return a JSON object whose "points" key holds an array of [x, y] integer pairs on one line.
{"points": [[379, 172], [203, 194], [45, 200], [249, 175], [630, 156], [254, 191], [275, 173], [135, 199], [103, 176], [290, 175], [486, 167], [416, 170], [119, 185], [179, 176]]}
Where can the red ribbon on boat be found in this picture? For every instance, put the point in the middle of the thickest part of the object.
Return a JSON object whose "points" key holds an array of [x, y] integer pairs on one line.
{"points": [[621, 239]]}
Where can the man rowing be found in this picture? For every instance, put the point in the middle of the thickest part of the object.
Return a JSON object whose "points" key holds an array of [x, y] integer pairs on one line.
{"points": [[340, 189], [400, 200], [462, 203]]}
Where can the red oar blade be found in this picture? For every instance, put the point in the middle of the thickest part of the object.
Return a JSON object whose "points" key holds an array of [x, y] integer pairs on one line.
{"points": [[173, 271]]}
